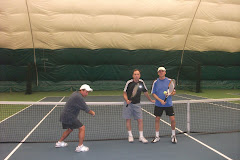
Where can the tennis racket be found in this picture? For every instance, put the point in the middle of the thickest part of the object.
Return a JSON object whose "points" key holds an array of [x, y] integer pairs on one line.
{"points": [[171, 87], [134, 92]]}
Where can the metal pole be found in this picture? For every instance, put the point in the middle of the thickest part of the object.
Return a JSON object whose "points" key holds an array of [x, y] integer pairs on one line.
{"points": [[188, 117]]}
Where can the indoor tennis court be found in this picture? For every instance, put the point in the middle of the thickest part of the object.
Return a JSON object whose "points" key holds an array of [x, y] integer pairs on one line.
{"points": [[106, 134], [49, 48]]}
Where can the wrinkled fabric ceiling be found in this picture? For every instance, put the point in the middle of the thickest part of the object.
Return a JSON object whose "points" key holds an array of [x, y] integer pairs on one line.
{"points": [[197, 25]]}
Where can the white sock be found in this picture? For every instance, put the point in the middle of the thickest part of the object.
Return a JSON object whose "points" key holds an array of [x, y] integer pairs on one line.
{"points": [[157, 134], [130, 134], [173, 132], [140, 133], [81, 145]]}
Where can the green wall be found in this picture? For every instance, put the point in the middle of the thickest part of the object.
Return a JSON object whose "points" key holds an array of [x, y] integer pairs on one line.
{"points": [[109, 69]]}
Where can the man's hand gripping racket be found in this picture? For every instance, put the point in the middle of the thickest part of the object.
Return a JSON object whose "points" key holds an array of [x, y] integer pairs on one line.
{"points": [[171, 89]]}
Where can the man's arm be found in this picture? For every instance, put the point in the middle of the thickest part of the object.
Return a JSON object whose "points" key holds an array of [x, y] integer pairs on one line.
{"points": [[148, 97], [174, 92], [157, 98], [92, 113], [84, 106], [126, 98]]}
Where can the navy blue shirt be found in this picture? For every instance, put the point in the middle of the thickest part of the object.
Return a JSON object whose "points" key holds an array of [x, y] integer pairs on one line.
{"points": [[72, 108]]}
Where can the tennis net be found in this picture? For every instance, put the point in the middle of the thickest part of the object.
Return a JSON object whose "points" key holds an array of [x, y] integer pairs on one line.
{"points": [[39, 121]]}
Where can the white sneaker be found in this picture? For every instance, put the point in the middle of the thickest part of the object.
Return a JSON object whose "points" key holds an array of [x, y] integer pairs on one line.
{"points": [[156, 139], [60, 144], [143, 140], [174, 139], [82, 149], [130, 139]]}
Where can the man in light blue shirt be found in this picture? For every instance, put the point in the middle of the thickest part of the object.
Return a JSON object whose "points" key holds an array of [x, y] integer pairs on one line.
{"points": [[159, 86]]}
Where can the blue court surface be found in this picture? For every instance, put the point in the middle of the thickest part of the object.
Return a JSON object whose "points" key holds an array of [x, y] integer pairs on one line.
{"points": [[217, 146]]}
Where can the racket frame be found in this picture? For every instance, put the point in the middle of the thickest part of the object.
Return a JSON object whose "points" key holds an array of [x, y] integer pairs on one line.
{"points": [[169, 94]]}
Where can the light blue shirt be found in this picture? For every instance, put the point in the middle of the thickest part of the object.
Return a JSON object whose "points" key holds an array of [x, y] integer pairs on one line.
{"points": [[159, 86]]}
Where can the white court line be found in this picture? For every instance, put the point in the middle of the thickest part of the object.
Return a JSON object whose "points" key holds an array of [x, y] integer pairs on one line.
{"points": [[235, 94], [19, 111], [211, 102], [207, 146], [182, 97], [14, 150], [224, 106]]}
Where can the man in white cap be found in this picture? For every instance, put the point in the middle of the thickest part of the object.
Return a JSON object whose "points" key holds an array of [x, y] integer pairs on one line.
{"points": [[158, 91], [69, 116]]}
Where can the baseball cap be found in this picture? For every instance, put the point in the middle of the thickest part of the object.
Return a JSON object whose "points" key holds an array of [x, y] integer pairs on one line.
{"points": [[86, 87], [161, 69]]}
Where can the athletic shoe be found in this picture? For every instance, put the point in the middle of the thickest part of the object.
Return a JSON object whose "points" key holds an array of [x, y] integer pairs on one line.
{"points": [[82, 149], [60, 144], [156, 139], [130, 139], [174, 139], [143, 140]]}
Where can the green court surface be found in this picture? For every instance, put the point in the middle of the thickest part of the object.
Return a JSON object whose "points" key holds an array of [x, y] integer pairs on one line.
{"points": [[6, 112]]}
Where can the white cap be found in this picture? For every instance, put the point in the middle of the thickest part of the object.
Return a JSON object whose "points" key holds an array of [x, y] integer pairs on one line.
{"points": [[86, 87], [161, 69]]}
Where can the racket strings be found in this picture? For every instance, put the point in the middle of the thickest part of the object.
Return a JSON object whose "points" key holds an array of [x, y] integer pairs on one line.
{"points": [[135, 89], [171, 88]]}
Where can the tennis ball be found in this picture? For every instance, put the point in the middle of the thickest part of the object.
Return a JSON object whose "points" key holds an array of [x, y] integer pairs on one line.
{"points": [[165, 92]]}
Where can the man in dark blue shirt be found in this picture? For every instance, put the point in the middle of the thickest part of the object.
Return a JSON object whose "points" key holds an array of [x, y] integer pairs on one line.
{"points": [[69, 115]]}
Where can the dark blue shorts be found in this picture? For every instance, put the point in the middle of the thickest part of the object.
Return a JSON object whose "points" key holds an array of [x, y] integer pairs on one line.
{"points": [[75, 125]]}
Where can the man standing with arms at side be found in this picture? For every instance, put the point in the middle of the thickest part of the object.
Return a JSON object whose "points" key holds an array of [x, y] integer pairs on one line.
{"points": [[69, 116], [159, 86], [132, 94]]}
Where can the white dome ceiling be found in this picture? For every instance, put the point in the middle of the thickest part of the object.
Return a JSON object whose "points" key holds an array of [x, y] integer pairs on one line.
{"points": [[198, 25]]}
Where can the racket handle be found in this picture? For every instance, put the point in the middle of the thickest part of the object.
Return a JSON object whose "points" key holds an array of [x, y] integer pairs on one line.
{"points": [[165, 99], [127, 105]]}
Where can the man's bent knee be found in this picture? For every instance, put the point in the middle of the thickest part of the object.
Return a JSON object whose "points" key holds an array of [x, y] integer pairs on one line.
{"points": [[69, 130], [82, 128]]}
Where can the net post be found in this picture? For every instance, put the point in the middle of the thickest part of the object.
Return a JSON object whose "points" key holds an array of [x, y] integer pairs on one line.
{"points": [[188, 117]]}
